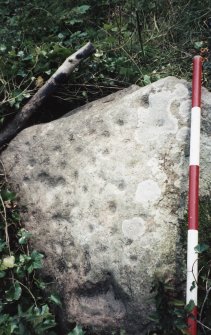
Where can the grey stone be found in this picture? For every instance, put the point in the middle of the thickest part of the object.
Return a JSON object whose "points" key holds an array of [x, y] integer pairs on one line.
{"points": [[105, 187]]}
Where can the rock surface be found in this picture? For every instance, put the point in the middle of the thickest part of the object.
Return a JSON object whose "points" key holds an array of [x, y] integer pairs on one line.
{"points": [[105, 188]]}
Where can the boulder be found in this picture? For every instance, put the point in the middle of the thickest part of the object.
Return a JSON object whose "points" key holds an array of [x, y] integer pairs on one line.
{"points": [[105, 189]]}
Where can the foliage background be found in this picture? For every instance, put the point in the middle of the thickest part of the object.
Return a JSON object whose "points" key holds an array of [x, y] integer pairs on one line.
{"points": [[137, 41]]}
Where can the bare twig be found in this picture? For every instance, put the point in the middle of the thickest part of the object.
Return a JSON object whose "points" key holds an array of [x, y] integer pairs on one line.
{"points": [[4, 171], [6, 224], [139, 28], [28, 290], [203, 325], [204, 302]]}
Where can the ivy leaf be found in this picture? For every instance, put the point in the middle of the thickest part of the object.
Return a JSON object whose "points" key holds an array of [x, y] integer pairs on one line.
{"points": [[190, 306], [114, 29], [48, 72], [16, 216], [154, 317], [20, 54], [40, 318], [74, 21], [198, 45], [35, 261], [61, 36], [2, 274], [3, 47], [147, 79], [82, 9], [55, 299], [28, 57], [24, 259], [8, 195], [7, 263], [24, 236], [2, 245], [201, 248], [21, 73], [98, 53], [180, 324], [193, 285], [178, 303], [107, 26], [40, 284], [14, 292], [77, 331], [20, 272]]}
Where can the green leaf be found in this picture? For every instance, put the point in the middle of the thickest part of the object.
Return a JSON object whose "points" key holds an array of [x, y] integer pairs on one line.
{"points": [[179, 312], [147, 79], [23, 240], [55, 299], [28, 57], [201, 248], [125, 71], [24, 236], [2, 274], [20, 54], [177, 303], [114, 29], [180, 324], [193, 285], [23, 259], [61, 36], [48, 72], [7, 262], [107, 26], [40, 284], [21, 73], [2, 245], [190, 306], [8, 195], [82, 9], [74, 21], [98, 53], [26, 95], [14, 292], [20, 272], [40, 319], [77, 331], [198, 45], [35, 261], [16, 216], [154, 317], [3, 47], [84, 94]]}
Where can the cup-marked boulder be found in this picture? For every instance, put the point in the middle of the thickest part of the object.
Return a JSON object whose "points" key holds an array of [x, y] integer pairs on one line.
{"points": [[105, 187]]}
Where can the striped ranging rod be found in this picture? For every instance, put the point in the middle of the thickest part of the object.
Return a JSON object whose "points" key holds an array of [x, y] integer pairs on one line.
{"points": [[192, 256]]}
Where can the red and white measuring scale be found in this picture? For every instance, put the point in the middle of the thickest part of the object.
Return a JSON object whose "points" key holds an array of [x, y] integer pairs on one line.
{"points": [[193, 196]]}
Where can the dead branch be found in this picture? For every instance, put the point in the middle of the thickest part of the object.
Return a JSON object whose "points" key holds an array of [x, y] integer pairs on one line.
{"points": [[62, 73]]}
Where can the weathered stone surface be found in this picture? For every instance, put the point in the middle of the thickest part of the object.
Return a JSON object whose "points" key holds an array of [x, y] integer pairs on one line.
{"points": [[105, 188]]}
